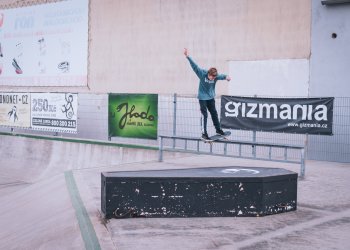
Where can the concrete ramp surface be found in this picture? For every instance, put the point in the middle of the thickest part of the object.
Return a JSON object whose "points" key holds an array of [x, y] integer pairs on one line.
{"points": [[50, 198], [37, 209], [39, 216]]}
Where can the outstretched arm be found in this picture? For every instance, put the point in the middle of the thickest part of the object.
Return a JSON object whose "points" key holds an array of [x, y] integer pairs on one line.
{"points": [[194, 66]]}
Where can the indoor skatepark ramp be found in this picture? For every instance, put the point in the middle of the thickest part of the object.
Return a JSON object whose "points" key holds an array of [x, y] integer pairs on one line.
{"points": [[38, 208]]}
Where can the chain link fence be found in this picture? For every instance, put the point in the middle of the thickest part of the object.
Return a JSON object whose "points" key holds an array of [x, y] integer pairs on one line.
{"points": [[335, 147], [180, 115]]}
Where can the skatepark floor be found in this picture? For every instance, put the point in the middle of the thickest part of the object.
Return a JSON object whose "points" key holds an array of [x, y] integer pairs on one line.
{"points": [[55, 207]]}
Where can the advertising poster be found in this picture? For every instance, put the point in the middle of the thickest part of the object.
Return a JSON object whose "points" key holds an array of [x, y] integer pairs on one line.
{"points": [[290, 115], [44, 44], [54, 112], [133, 115], [15, 109]]}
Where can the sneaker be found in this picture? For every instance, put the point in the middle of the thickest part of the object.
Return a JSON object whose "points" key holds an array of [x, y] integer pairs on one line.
{"points": [[205, 136], [220, 132]]}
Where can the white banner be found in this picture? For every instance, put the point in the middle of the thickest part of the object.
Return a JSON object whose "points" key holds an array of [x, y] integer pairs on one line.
{"points": [[44, 45], [54, 112], [15, 109]]}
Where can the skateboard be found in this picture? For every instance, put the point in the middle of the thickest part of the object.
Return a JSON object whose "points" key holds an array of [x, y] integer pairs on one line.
{"points": [[217, 137]]}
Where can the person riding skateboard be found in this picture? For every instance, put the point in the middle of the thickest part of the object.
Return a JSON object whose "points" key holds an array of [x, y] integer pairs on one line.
{"points": [[206, 95]]}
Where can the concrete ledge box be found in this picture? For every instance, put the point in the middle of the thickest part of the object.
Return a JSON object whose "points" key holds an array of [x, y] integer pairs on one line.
{"points": [[200, 192]]}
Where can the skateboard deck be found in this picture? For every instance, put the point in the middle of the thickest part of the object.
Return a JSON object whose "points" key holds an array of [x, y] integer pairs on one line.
{"points": [[218, 137]]}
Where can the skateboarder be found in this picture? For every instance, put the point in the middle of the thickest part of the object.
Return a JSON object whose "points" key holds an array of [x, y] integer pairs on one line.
{"points": [[206, 95]]}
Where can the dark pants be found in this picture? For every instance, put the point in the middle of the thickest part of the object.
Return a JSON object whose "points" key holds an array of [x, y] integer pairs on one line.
{"points": [[209, 105]]}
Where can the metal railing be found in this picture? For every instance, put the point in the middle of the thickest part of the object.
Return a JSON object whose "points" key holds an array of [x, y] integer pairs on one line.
{"points": [[197, 149]]}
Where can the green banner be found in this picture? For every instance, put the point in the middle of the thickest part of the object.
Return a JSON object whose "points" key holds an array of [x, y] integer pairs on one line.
{"points": [[133, 115]]}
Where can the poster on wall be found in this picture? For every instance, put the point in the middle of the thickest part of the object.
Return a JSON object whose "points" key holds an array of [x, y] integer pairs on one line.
{"points": [[54, 112], [44, 45], [290, 115], [15, 109], [133, 115]]}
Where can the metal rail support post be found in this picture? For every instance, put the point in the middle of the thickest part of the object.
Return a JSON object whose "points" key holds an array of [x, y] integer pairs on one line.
{"points": [[174, 120], [160, 153], [253, 147], [302, 167]]}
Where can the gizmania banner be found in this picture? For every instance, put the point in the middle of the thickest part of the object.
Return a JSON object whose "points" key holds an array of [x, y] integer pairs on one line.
{"points": [[133, 115], [290, 115]]}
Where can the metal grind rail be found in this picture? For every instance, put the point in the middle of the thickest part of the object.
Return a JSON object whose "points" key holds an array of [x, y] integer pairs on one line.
{"points": [[197, 150]]}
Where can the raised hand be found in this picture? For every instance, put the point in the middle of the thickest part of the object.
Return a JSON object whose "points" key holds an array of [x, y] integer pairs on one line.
{"points": [[186, 52]]}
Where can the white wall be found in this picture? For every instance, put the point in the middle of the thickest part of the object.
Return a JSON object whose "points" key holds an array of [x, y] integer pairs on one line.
{"points": [[279, 78], [136, 46]]}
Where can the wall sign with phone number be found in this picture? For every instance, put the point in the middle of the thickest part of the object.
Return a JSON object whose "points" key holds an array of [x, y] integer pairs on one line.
{"points": [[54, 123], [54, 112]]}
